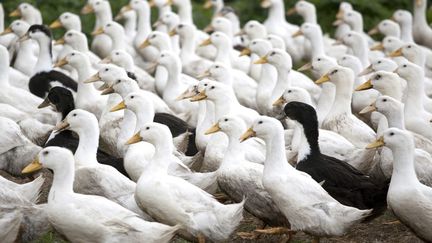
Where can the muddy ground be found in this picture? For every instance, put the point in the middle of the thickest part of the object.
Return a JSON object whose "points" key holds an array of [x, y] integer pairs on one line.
{"points": [[380, 230]]}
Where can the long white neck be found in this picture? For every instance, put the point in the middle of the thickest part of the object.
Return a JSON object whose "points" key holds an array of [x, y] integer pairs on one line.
{"points": [[265, 87], [118, 41], [403, 166], [234, 150], [206, 118], [396, 119], [343, 96], [223, 54], [62, 185], [325, 101], [317, 43], [80, 46], [127, 128], [420, 16], [174, 75], [275, 154], [144, 117], [277, 12], [185, 12], [187, 53], [85, 154], [44, 62], [224, 105], [282, 83], [103, 17], [4, 70], [85, 91], [415, 94], [144, 26], [406, 31], [1, 18], [130, 26], [361, 51], [310, 16]]}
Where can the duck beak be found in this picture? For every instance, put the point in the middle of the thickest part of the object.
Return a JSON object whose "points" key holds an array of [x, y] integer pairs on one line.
{"points": [[215, 128], [60, 41], [206, 42], [340, 14], [242, 32], [419, 3], [367, 70], [396, 53], [377, 47], [157, 24], [291, 11], [119, 106], [338, 42], [135, 139], [151, 3], [373, 31], [56, 24], [298, 33], [93, 78], [204, 75], [63, 125], [87, 9], [61, 63], [186, 95], [107, 91], [44, 103], [305, 67], [24, 37], [279, 101], [368, 109], [35, 165], [323, 79], [173, 32], [200, 96], [15, 13], [265, 3], [378, 143], [209, 28], [262, 60], [169, 3], [126, 8], [145, 44], [7, 31], [103, 87], [208, 4], [365, 86], [99, 31], [245, 52], [338, 22], [248, 134], [106, 60]]}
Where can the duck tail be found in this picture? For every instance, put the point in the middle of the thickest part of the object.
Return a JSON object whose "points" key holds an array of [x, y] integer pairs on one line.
{"points": [[229, 218], [170, 233], [32, 190]]}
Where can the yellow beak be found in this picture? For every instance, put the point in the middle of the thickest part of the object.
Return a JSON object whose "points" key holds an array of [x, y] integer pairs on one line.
{"points": [[204, 75], [209, 28], [323, 79], [173, 32], [152, 3], [337, 22], [368, 109], [200, 96], [35, 165], [396, 53], [373, 31], [208, 4], [87, 9], [340, 14], [186, 95], [262, 60], [99, 31], [56, 24], [378, 143], [298, 33], [215, 128], [291, 11], [206, 42], [60, 41], [169, 3], [7, 31], [93, 78], [63, 125], [15, 13], [245, 52], [135, 139], [119, 106], [366, 85], [145, 44], [61, 63], [107, 91], [248, 134], [378, 47], [305, 67], [279, 101]]}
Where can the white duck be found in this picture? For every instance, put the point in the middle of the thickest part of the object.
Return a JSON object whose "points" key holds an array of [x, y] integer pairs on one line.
{"points": [[387, 27], [421, 30]]}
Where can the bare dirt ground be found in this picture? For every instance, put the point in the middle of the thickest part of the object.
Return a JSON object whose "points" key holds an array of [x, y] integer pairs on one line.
{"points": [[380, 230]]}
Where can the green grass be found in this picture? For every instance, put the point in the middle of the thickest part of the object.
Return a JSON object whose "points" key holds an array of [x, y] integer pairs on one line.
{"points": [[51, 237]]}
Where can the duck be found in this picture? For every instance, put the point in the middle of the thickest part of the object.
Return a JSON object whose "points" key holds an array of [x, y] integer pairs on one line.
{"points": [[387, 83], [164, 206], [129, 19], [404, 19], [44, 76], [216, 5], [342, 181], [109, 220], [380, 64], [170, 21], [87, 97], [16, 150], [355, 21], [28, 13], [239, 178], [387, 27], [421, 31], [310, 209], [116, 32], [393, 110], [342, 28], [101, 45], [358, 46], [68, 21], [123, 59], [341, 109], [404, 185]]}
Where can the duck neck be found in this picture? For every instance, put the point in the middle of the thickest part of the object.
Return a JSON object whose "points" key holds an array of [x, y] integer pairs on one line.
{"points": [[277, 12], [188, 48], [144, 26], [144, 117], [185, 12], [118, 41], [415, 94], [225, 78], [317, 44], [308, 142], [130, 26], [4, 70], [265, 87], [44, 62], [343, 96], [62, 182], [275, 153], [420, 15], [80, 46], [234, 149], [310, 16], [163, 9], [1, 18], [325, 100], [361, 51], [282, 83], [160, 162], [85, 92], [406, 31], [403, 166], [174, 74], [85, 154], [396, 119], [205, 120], [224, 105], [223, 54], [103, 17]]}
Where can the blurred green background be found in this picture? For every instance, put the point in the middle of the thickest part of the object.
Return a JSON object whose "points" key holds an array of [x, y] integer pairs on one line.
{"points": [[373, 10]]}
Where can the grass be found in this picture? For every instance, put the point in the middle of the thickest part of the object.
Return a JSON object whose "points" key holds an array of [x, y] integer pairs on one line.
{"points": [[51, 237]]}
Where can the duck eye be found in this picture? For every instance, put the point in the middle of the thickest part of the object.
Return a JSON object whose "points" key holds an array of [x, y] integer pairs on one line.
{"points": [[392, 133], [69, 35], [147, 128], [73, 54], [217, 66], [378, 76], [389, 41], [260, 122], [289, 91], [319, 59], [335, 71], [384, 100], [45, 153], [404, 66], [106, 69], [251, 26], [385, 24], [18, 23], [74, 114], [379, 62], [205, 85], [132, 97], [212, 87], [409, 46], [118, 81], [226, 119], [349, 35], [97, 3]]}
